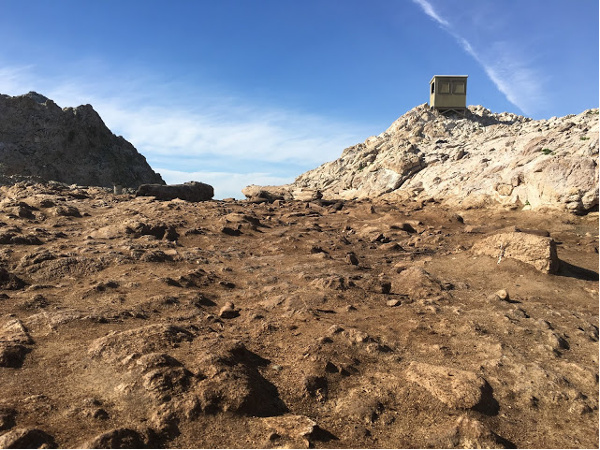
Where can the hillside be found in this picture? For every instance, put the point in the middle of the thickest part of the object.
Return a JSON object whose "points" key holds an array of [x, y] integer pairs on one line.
{"points": [[69, 145], [481, 159]]}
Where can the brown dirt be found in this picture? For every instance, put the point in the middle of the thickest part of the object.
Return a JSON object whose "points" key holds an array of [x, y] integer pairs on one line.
{"points": [[354, 324]]}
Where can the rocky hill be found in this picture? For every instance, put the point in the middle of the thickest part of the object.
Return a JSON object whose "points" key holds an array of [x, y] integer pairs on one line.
{"points": [[70, 145], [482, 158]]}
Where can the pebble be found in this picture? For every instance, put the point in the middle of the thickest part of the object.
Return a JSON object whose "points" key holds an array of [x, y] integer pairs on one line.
{"points": [[393, 303]]}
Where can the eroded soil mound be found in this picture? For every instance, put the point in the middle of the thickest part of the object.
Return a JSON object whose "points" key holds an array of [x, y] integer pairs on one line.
{"points": [[130, 322]]}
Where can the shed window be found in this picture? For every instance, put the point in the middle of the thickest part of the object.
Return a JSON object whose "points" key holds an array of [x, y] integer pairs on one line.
{"points": [[458, 88], [433, 87], [444, 88]]}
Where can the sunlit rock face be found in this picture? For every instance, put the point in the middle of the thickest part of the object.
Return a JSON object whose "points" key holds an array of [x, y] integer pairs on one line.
{"points": [[481, 158]]}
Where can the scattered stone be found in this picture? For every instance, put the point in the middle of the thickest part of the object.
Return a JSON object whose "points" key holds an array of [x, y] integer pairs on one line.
{"points": [[393, 303]]}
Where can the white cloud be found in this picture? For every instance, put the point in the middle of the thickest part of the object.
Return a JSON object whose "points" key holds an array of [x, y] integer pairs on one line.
{"points": [[428, 9], [511, 73], [195, 129]]}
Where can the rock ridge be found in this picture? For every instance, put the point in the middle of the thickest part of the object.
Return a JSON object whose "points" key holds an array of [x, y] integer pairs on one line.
{"points": [[41, 140], [483, 158]]}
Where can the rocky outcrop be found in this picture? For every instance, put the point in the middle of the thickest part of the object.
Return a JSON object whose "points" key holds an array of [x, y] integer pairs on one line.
{"points": [[192, 191], [71, 145], [480, 159]]}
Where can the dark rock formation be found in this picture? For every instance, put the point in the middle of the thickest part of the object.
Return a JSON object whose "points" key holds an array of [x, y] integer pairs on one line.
{"points": [[192, 191], [70, 145]]}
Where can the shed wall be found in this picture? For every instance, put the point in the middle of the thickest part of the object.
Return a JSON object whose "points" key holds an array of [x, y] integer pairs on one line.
{"points": [[449, 92]]}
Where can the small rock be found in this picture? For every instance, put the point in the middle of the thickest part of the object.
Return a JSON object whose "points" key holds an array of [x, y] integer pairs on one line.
{"points": [[391, 247], [407, 227], [386, 287], [502, 295], [352, 258], [334, 329], [228, 311], [230, 231], [393, 303]]}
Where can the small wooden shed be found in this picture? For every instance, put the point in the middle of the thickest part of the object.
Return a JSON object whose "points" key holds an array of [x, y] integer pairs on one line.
{"points": [[448, 93]]}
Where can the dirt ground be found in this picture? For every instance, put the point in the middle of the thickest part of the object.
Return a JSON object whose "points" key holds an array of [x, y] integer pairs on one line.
{"points": [[130, 322]]}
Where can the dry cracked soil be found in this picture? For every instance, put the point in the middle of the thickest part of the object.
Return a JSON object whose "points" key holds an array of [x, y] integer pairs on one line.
{"points": [[130, 322]]}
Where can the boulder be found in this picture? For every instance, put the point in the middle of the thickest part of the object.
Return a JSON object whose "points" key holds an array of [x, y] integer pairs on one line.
{"points": [[192, 191], [538, 251], [267, 194]]}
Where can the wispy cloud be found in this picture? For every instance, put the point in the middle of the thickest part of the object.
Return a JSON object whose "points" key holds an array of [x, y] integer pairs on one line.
{"points": [[228, 140], [428, 9], [511, 73]]}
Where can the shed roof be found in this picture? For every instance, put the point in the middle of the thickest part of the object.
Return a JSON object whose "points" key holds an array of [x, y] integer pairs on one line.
{"points": [[448, 76]]}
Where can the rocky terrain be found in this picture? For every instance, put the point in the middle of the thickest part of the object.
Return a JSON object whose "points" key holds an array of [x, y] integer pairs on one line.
{"points": [[480, 159], [70, 145], [129, 322]]}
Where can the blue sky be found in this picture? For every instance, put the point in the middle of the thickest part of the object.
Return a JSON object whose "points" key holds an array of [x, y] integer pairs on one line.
{"points": [[234, 92]]}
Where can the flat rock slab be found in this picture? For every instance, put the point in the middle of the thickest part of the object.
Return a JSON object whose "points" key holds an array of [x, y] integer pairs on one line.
{"points": [[456, 388], [538, 251]]}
